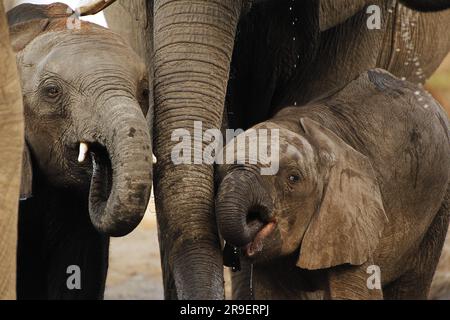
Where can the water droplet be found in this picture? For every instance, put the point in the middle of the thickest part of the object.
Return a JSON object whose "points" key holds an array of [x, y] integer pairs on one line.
{"points": [[398, 50], [426, 106], [417, 93]]}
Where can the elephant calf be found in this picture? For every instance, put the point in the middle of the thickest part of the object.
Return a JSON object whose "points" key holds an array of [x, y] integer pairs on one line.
{"points": [[359, 208], [87, 167]]}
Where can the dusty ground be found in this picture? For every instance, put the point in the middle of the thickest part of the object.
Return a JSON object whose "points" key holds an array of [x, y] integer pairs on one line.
{"points": [[135, 271]]}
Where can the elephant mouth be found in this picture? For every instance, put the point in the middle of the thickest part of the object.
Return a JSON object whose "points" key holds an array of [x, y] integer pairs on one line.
{"points": [[102, 172], [96, 157], [257, 245]]}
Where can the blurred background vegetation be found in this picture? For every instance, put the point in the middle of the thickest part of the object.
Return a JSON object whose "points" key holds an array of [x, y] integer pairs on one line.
{"points": [[439, 85]]}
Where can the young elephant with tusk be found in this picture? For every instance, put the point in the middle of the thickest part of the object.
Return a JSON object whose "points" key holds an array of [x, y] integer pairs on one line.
{"points": [[363, 185], [87, 170]]}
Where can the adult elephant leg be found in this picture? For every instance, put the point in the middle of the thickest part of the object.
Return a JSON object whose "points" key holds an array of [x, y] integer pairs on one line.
{"points": [[133, 20], [11, 146], [193, 46]]}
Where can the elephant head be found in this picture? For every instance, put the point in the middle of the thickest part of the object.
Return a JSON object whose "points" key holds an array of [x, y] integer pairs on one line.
{"points": [[85, 94], [323, 203]]}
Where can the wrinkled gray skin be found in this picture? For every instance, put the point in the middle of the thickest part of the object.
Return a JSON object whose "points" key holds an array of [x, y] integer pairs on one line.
{"points": [[79, 85], [195, 48], [363, 180]]}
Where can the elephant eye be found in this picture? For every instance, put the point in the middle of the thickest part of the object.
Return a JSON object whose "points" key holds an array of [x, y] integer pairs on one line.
{"points": [[52, 92], [294, 178]]}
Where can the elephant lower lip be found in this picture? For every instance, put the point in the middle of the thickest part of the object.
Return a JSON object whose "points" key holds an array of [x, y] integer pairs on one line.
{"points": [[257, 244]]}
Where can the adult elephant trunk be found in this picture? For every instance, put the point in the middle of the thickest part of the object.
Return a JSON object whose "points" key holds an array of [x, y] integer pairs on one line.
{"points": [[243, 207], [427, 5], [193, 43], [122, 168]]}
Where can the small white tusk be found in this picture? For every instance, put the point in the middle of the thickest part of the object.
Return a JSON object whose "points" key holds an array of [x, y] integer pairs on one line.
{"points": [[154, 159], [94, 7], [83, 151]]}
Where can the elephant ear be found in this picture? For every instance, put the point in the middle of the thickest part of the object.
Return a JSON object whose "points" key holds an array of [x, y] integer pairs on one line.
{"points": [[27, 21], [351, 218], [23, 33], [26, 186]]}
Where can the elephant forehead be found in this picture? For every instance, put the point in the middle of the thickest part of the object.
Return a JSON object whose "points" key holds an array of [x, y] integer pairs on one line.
{"points": [[70, 54], [272, 143], [290, 142]]}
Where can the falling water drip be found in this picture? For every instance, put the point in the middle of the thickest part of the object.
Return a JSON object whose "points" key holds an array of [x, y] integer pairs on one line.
{"points": [[410, 20], [252, 297], [294, 38]]}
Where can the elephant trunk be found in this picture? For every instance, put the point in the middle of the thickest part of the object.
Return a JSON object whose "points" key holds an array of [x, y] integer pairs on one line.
{"points": [[122, 169], [427, 5], [193, 47], [243, 207]]}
